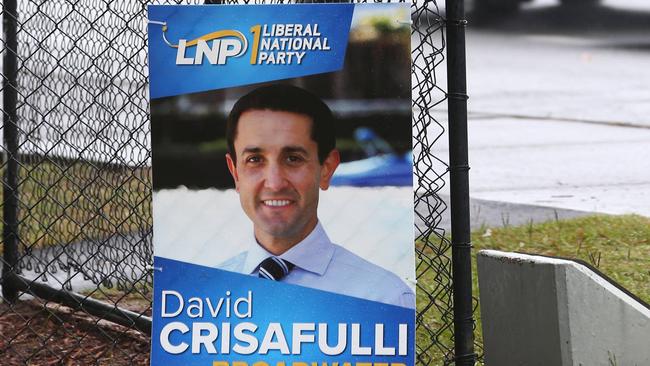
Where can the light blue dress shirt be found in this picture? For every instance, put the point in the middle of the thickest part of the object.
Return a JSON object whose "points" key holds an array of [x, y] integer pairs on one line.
{"points": [[323, 265]]}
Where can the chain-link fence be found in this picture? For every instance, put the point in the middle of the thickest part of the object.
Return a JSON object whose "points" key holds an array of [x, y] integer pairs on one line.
{"points": [[76, 170]]}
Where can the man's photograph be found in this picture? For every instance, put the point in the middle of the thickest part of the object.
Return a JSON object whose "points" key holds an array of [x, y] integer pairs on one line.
{"points": [[305, 181]]}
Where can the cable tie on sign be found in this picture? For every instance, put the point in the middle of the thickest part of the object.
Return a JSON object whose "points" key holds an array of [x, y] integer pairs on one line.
{"points": [[405, 22], [164, 30], [164, 24], [459, 96], [154, 268]]}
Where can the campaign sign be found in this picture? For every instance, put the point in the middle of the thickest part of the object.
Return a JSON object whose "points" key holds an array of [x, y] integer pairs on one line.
{"points": [[203, 48], [283, 196]]}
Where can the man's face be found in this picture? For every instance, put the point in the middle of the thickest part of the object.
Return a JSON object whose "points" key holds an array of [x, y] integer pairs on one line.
{"points": [[278, 175]]}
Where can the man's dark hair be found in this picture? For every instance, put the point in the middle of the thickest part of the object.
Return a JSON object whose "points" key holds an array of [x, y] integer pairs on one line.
{"points": [[286, 98]]}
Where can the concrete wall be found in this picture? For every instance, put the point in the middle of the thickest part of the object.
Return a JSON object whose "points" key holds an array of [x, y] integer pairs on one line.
{"points": [[546, 311]]}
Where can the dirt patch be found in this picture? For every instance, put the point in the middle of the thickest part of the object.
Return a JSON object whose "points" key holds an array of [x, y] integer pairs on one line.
{"points": [[39, 333]]}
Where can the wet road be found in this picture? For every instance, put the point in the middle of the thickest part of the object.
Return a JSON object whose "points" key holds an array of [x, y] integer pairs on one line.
{"points": [[559, 112]]}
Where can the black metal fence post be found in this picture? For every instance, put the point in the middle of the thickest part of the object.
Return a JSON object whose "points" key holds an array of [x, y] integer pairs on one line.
{"points": [[10, 127], [459, 185]]}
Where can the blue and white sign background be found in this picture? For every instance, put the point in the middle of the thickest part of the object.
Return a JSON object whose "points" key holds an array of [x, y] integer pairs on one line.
{"points": [[247, 44], [208, 316]]}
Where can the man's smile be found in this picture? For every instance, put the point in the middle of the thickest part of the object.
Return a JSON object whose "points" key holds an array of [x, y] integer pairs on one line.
{"points": [[276, 203]]}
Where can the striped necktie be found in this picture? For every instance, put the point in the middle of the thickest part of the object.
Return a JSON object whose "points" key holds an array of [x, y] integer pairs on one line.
{"points": [[274, 268]]}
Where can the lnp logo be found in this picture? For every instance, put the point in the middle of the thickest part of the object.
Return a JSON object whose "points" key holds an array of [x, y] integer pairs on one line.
{"points": [[225, 44], [272, 44]]}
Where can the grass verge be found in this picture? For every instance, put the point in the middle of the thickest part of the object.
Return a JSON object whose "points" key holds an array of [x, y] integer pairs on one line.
{"points": [[66, 201], [619, 246]]}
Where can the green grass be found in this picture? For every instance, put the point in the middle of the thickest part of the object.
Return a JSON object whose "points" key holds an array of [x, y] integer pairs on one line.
{"points": [[619, 246], [64, 202]]}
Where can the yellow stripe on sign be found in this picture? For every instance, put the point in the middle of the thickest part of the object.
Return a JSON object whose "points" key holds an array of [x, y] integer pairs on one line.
{"points": [[215, 35]]}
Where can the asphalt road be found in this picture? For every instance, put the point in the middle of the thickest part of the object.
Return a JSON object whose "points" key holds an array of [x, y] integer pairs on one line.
{"points": [[559, 112]]}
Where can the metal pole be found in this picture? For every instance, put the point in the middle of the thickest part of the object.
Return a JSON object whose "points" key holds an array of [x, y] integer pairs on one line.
{"points": [[91, 306], [10, 127], [459, 185]]}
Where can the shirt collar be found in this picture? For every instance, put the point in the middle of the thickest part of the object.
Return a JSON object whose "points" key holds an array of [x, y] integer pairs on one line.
{"points": [[313, 254]]}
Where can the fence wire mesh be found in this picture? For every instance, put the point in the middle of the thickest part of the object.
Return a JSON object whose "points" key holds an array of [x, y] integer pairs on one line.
{"points": [[83, 186], [434, 317]]}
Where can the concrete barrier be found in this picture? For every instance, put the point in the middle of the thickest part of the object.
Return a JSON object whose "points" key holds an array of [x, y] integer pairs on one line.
{"points": [[545, 311]]}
